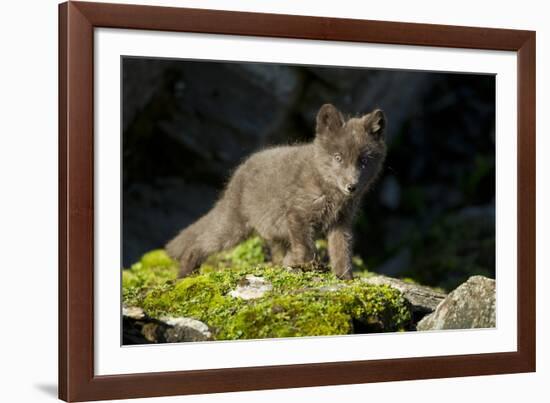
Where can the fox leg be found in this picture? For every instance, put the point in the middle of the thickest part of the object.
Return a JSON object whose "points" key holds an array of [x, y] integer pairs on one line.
{"points": [[189, 261], [339, 250], [302, 247], [278, 250]]}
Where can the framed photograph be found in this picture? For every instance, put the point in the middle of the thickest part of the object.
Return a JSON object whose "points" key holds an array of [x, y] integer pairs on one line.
{"points": [[256, 201]]}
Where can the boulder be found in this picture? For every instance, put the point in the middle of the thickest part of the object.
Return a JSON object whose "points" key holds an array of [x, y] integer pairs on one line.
{"points": [[154, 213], [133, 312], [219, 113], [361, 90], [471, 305], [423, 299], [139, 328], [185, 329], [142, 78], [251, 287], [239, 294]]}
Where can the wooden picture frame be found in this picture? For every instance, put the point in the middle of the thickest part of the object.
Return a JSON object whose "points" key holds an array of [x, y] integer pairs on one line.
{"points": [[77, 21]]}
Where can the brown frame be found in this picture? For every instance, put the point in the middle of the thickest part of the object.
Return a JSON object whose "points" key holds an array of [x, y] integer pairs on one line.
{"points": [[77, 21]]}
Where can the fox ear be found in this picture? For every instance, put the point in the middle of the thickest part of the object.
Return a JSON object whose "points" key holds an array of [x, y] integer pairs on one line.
{"points": [[329, 119], [375, 123]]}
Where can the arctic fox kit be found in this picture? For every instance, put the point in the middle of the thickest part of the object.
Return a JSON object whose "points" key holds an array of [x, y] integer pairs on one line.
{"points": [[288, 195]]}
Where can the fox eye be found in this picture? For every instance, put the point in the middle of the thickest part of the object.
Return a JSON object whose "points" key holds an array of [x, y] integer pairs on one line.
{"points": [[338, 158], [363, 162]]}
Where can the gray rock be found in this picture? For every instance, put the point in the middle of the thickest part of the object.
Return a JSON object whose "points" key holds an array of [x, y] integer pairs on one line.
{"points": [[331, 288], [397, 104], [139, 328], [422, 299], [341, 80], [243, 104], [185, 329], [251, 287], [133, 312], [361, 90], [142, 78], [154, 213], [471, 305], [276, 80]]}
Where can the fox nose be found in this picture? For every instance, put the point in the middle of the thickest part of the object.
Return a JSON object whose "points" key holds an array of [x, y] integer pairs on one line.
{"points": [[351, 187]]}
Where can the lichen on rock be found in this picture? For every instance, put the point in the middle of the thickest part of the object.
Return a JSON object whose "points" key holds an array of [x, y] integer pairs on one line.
{"points": [[307, 302], [471, 305], [251, 287]]}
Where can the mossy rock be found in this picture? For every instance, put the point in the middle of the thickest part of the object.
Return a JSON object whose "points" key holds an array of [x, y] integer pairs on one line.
{"points": [[308, 302]]}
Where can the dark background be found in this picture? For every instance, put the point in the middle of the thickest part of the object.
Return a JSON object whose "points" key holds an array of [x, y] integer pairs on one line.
{"points": [[430, 217]]}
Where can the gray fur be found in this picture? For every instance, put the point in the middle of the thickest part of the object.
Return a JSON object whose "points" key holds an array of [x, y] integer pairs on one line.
{"points": [[288, 195]]}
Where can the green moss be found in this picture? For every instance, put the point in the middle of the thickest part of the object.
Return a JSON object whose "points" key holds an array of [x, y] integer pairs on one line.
{"points": [[249, 253], [154, 270], [321, 246], [301, 303], [305, 314]]}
